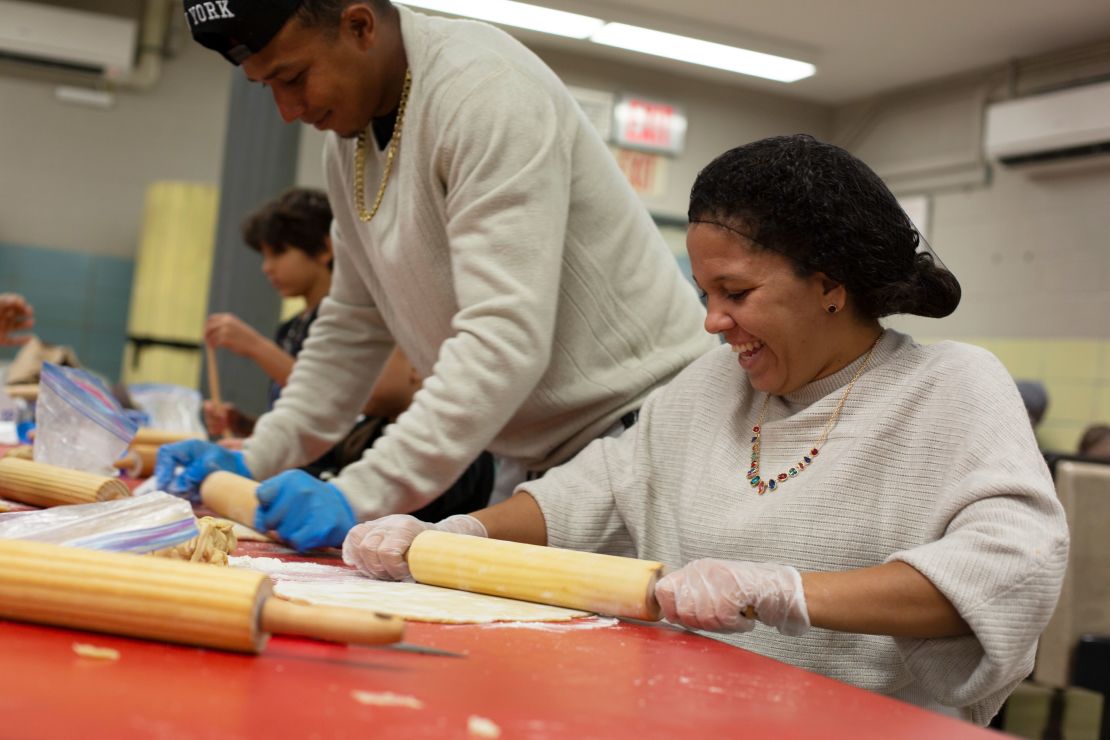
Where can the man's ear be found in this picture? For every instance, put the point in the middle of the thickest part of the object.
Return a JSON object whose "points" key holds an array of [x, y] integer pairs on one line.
{"points": [[361, 21], [326, 255]]}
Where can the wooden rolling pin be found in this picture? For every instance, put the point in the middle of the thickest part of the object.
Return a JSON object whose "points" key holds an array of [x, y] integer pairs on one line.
{"points": [[621, 587], [156, 437], [138, 461], [231, 496], [39, 484], [168, 600]]}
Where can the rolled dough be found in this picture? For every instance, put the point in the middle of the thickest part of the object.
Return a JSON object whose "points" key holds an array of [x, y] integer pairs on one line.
{"points": [[312, 583]]}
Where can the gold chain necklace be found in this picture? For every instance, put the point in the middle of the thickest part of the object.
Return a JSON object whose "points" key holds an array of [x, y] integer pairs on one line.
{"points": [[762, 486], [360, 158]]}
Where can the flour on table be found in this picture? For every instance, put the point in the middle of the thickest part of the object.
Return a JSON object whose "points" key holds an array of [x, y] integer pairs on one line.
{"points": [[386, 699], [482, 727], [312, 583], [86, 650]]}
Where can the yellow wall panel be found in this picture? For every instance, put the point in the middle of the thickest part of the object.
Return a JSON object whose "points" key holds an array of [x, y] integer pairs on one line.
{"points": [[169, 296], [1072, 360]]}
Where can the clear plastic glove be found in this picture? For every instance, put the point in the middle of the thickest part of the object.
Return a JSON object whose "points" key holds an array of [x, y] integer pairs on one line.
{"points": [[181, 467], [304, 510], [378, 548], [713, 595]]}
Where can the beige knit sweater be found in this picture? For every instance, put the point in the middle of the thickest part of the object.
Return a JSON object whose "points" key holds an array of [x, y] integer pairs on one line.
{"points": [[933, 462], [512, 263]]}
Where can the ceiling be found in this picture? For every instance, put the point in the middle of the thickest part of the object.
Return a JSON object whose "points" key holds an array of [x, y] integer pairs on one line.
{"points": [[860, 47]]}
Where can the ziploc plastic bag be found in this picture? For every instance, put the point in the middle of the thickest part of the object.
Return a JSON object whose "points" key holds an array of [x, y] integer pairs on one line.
{"points": [[137, 525], [170, 407], [80, 425]]}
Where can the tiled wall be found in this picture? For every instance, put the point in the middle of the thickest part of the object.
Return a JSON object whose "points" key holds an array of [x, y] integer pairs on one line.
{"points": [[80, 300], [1076, 374]]}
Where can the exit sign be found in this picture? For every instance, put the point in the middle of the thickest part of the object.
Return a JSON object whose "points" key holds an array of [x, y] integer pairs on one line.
{"points": [[649, 125]]}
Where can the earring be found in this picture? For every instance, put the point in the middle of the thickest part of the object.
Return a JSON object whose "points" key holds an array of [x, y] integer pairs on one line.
{"points": [[831, 308]]}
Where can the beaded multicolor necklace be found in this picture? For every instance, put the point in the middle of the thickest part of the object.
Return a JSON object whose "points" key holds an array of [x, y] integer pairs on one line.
{"points": [[360, 158], [762, 486]]}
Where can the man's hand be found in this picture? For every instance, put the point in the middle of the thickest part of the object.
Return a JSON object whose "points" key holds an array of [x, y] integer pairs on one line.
{"points": [[305, 511], [181, 467]]}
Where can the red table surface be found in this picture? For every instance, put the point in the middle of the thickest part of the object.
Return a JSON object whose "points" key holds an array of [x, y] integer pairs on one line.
{"points": [[628, 680]]}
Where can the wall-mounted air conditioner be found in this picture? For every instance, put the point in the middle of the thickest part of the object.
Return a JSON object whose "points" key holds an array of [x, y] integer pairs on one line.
{"points": [[52, 36], [1056, 127]]}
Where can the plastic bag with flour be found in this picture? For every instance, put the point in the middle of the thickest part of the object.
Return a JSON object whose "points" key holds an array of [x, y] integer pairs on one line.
{"points": [[79, 424]]}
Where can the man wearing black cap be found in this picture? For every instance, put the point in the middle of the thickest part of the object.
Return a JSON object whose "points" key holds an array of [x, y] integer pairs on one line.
{"points": [[481, 225]]}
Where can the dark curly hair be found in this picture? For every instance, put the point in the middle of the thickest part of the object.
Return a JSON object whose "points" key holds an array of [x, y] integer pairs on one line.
{"points": [[299, 218], [828, 212], [326, 13]]}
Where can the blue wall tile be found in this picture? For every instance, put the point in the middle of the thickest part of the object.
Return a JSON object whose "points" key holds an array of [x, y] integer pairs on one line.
{"points": [[80, 300]]}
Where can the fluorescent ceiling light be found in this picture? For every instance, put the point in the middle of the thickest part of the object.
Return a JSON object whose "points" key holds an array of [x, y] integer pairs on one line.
{"points": [[705, 53], [519, 15]]}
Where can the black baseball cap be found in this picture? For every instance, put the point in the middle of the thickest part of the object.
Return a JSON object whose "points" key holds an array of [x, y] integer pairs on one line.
{"points": [[237, 28]]}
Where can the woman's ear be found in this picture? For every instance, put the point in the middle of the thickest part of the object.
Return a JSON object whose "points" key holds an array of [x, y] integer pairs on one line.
{"points": [[833, 294], [325, 256]]}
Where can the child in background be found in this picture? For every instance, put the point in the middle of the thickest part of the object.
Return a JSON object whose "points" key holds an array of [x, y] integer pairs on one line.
{"points": [[292, 235]]}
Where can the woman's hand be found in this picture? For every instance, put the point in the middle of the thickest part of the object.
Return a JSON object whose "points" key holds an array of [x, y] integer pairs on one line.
{"points": [[378, 548], [730, 595], [228, 331]]}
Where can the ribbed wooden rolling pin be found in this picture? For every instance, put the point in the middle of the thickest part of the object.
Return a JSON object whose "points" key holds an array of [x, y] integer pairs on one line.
{"points": [[39, 484], [621, 587], [168, 600]]}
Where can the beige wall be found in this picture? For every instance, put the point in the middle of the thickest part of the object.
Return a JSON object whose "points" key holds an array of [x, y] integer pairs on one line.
{"points": [[1031, 250], [75, 178], [1033, 257]]}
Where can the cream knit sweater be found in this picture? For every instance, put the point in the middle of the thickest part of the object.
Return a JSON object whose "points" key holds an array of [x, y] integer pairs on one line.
{"points": [[933, 462], [511, 262]]}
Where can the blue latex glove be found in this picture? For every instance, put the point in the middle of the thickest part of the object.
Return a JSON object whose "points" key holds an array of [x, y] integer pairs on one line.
{"points": [[182, 466], [306, 512]]}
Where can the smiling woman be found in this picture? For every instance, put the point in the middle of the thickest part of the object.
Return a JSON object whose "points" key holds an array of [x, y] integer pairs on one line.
{"points": [[908, 541], [799, 249]]}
